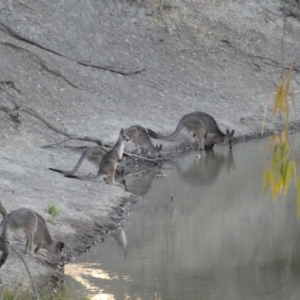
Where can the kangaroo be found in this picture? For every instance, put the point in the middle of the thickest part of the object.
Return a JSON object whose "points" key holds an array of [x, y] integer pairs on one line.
{"points": [[93, 154], [140, 137], [109, 161], [141, 185], [204, 171], [201, 124], [27, 223]]}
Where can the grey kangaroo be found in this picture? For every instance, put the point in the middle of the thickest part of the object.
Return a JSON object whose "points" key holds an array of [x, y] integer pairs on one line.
{"points": [[92, 154], [109, 161], [26, 223], [201, 124], [141, 138]]}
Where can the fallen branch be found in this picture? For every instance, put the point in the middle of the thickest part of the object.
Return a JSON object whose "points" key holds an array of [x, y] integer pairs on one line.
{"points": [[11, 113], [19, 37], [34, 113], [35, 291], [154, 160], [122, 71], [154, 84], [56, 144], [58, 130], [42, 63]]}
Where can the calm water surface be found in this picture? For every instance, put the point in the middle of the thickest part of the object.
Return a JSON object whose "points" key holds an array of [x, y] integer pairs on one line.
{"points": [[202, 231]]}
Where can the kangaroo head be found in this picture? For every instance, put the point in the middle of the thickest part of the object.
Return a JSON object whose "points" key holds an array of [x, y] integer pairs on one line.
{"points": [[57, 256], [124, 136], [229, 138]]}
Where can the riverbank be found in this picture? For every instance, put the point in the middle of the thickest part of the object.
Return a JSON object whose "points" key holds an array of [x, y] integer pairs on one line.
{"points": [[96, 67]]}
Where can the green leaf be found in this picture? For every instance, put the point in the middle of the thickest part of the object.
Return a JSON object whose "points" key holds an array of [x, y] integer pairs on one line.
{"points": [[288, 176]]}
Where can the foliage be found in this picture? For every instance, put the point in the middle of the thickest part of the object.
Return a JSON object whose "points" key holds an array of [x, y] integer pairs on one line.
{"points": [[53, 210], [282, 168], [18, 293]]}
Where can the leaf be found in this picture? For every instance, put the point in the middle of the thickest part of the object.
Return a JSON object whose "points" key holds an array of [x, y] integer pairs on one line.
{"points": [[278, 98], [298, 198], [278, 186], [265, 114], [288, 176]]}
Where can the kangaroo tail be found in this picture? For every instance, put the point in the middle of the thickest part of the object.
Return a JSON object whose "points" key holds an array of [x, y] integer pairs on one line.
{"points": [[94, 178], [57, 170], [170, 137], [81, 159]]}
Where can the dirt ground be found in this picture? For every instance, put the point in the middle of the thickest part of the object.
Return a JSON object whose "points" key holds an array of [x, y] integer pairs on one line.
{"points": [[96, 66]]}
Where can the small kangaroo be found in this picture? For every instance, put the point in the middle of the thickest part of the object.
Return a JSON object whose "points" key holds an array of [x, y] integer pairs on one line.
{"points": [[140, 137], [201, 124], [93, 154], [28, 224], [109, 161]]}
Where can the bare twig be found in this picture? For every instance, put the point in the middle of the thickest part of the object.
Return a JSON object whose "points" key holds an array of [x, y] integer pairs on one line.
{"points": [[56, 144], [282, 46], [120, 70], [154, 160], [155, 84], [34, 113], [12, 98], [18, 36], [13, 114], [32, 282], [58, 130], [20, 3], [42, 63], [264, 57]]}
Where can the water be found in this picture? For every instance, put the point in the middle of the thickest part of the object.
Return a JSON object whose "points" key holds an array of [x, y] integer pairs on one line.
{"points": [[202, 231]]}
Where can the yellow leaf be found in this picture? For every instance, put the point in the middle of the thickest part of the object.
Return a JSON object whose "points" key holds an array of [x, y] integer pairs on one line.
{"points": [[278, 186], [278, 98], [288, 175], [298, 198]]}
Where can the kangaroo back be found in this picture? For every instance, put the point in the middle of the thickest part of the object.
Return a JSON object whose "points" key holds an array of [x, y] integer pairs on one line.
{"points": [[170, 137], [201, 124], [140, 137]]}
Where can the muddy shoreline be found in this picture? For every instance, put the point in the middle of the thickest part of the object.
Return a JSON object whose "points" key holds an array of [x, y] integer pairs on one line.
{"points": [[95, 67]]}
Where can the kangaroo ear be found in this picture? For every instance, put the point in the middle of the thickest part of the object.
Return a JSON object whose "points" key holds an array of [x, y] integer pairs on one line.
{"points": [[59, 246], [227, 131], [232, 132], [122, 130], [158, 148]]}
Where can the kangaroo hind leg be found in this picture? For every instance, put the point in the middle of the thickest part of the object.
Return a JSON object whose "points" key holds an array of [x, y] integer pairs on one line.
{"points": [[200, 134], [30, 224]]}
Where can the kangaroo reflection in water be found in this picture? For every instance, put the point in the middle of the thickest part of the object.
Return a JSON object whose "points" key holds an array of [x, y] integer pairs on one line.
{"points": [[204, 171], [120, 236], [142, 182]]}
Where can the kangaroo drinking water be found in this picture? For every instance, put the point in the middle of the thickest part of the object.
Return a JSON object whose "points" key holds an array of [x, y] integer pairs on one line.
{"points": [[92, 154], [141, 138], [109, 161], [26, 223], [201, 124]]}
